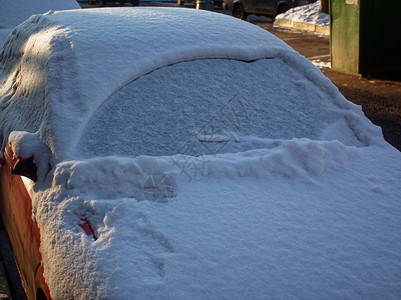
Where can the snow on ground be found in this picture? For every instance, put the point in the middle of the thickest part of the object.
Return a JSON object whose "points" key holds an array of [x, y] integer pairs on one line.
{"points": [[321, 64], [15, 12], [308, 205], [310, 14]]}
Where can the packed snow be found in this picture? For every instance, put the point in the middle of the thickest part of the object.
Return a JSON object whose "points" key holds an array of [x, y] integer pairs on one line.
{"points": [[270, 184], [310, 14], [321, 64]]}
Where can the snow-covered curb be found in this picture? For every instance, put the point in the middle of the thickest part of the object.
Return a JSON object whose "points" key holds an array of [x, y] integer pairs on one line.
{"points": [[305, 18], [301, 26]]}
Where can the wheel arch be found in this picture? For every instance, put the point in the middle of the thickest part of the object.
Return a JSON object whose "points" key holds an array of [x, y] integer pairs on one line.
{"points": [[240, 3], [42, 290], [40, 294]]}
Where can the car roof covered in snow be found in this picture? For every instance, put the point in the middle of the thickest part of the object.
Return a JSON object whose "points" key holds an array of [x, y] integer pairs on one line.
{"points": [[70, 62]]}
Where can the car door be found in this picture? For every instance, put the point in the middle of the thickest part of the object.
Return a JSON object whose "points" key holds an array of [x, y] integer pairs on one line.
{"points": [[264, 7], [23, 232]]}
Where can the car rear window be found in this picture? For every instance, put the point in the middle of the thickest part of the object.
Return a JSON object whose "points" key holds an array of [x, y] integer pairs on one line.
{"points": [[208, 106]]}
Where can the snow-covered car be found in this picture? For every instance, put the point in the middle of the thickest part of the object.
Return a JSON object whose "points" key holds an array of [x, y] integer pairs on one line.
{"points": [[242, 8], [255, 179]]}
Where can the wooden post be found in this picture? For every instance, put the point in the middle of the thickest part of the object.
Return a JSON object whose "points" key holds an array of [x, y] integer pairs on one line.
{"points": [[324, 6]]}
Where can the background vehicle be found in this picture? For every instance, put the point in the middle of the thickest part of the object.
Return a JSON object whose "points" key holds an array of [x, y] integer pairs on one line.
{"points": [[255, 179], [122, 2], [270, 8], [217, 3]]}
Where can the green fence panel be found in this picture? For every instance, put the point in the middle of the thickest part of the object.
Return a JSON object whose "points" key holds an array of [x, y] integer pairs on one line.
{"points": [[366, 36]]}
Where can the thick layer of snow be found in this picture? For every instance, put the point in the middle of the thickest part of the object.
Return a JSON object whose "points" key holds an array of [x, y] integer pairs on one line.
{"points": [[307, 219], [68, 49], [212, 115], [26, 145], [14, 12], [61, 46], [310, 13], [307, 207]]}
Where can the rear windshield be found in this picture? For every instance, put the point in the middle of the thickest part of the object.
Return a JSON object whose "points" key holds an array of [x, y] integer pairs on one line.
{"points": [[209, 106]]}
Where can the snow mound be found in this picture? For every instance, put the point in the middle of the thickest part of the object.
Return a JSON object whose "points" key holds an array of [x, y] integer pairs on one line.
{"points": [[310, 14], [252, 218], [116, 177], [293, 159], [26, 145]]}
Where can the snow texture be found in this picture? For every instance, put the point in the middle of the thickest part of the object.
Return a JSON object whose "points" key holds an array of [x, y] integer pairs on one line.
{"points": [[125, 54], [163, 124], [306, 219], [237, 169], [310, 13]]}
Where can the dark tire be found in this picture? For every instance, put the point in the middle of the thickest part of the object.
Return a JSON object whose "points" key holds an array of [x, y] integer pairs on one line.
{"points": [[238, 11], [40, 295], [282, 8]]}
